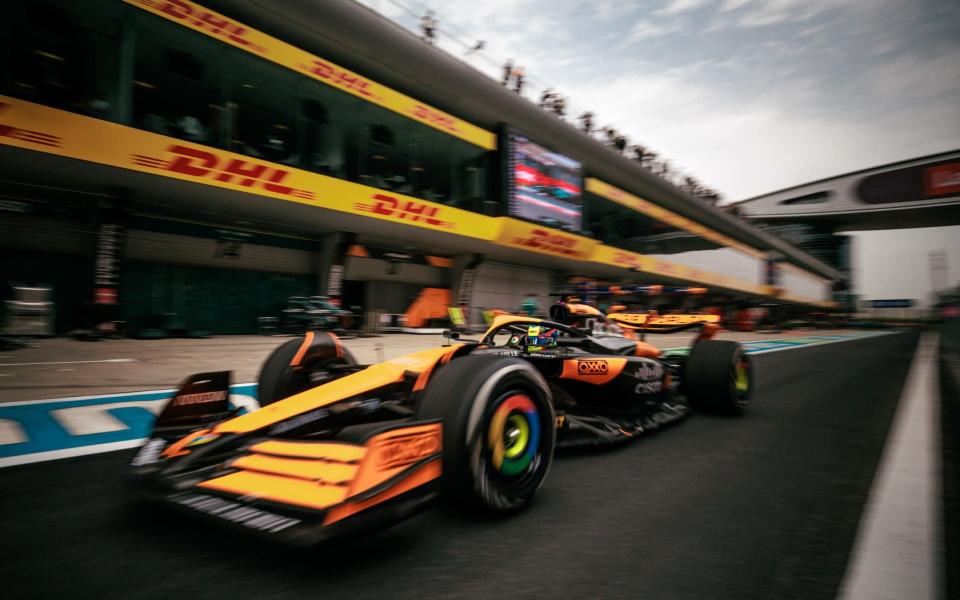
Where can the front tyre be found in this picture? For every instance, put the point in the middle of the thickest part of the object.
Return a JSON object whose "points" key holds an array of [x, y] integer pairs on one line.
{"points": [[718, 377], [279, 380], [498, 430]]}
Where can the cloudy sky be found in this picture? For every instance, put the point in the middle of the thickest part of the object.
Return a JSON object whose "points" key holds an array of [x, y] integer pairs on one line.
{"points": [[749, 96]]}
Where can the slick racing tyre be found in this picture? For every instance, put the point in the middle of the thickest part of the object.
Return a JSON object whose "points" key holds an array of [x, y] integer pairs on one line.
{"points": [[278, 380], [498, 430], [718, 377]]}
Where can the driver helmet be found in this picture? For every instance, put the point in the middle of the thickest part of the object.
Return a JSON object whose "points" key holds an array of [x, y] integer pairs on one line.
{"points": [[539, 338]]}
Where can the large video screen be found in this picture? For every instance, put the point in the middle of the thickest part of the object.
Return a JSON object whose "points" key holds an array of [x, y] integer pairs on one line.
{"points": [[544, 186]]}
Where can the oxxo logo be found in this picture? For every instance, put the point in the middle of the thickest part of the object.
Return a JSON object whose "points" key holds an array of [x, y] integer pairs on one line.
{"points": [[202, 19], [593, 367], [550, 242], [408, 449], [202, 163], [408, 210]]}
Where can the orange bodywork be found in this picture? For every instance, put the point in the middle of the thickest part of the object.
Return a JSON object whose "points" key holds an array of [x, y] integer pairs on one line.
{"points": [[652, 322], [179, 448], [418, 477], [424, 377], [647, 350], [329, 451], [432, 303], [279, 488], [322, 475], [371, 378], [302, 350], [596, 371], [583, 309]]}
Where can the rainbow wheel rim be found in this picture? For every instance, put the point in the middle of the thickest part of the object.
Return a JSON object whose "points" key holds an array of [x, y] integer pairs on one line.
{"points": [[514, 435]]}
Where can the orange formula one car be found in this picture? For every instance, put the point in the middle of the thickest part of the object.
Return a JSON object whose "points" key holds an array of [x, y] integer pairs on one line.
{"points": [[337, 448]]}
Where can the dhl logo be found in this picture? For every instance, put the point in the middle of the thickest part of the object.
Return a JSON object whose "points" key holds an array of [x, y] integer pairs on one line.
{"points": [[208, 165], [554, 243], [592, 367], [434, 117], [339, 77], [27, 135], [627, 259], [399, 452], [408, 210], [664, 267], [200, 18]]}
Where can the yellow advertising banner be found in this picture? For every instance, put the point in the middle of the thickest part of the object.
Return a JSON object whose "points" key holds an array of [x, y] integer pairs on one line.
{"points": [[655, 211], [608, 255], [660, 267], [544, 240], [36, 127], [227, 30], [667, 268], [817, 280]]}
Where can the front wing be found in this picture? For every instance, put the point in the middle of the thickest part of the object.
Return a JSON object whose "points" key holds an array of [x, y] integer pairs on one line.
{"points": [[304, 492]]}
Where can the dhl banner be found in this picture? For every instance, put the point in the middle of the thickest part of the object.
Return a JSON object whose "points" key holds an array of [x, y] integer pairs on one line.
{"points": [[802, 273], [654, 211], [652, 265], [667, 268], [809, 277], [36, 127], [608, 255], [544, 240], [227, 30]]}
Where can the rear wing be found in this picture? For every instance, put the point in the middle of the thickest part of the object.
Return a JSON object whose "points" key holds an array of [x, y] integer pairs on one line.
{"points": [[655, 323]]}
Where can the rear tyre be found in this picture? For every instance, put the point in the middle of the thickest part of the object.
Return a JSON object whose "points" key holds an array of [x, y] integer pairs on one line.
{"points": [[498, 430], [718, 377], [278, 380]]}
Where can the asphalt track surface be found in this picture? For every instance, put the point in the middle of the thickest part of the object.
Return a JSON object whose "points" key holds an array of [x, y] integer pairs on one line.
{"points": [[764, 506]]}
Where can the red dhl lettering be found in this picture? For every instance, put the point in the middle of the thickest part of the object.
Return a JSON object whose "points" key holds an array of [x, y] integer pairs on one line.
{"points": [[26, 135], [200, 18], [622, 258], [434, 117], [408, 210], [202, 163], [339, 77], [665, 267], [550, 242]]}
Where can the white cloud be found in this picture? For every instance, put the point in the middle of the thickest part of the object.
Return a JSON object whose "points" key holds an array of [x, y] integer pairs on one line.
{"points": [[746, 146], [645, 30], [675, 7], [730, 5], [764, 13]]}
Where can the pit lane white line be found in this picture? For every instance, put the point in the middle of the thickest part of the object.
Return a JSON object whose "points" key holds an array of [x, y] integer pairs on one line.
{"points": [[87, 420], [71, 362], [895, 553], [11, 432], [104, 396], [25, 459]]}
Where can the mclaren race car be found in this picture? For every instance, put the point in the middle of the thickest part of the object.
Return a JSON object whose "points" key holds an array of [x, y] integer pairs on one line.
{"points": [[337, 448]]}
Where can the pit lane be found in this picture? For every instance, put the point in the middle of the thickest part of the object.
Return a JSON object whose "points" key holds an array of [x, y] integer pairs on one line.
{"points": [[761, 507]]}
